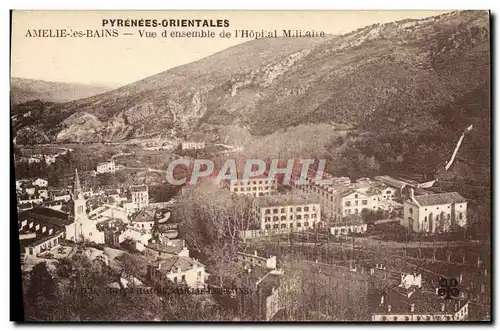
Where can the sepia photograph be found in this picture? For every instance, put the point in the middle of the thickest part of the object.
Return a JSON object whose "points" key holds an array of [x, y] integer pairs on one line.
{"points": [[251, 166]]}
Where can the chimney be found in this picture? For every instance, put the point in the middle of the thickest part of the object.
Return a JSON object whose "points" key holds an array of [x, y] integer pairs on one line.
{"points": [[412, 307], [255, 253], [485, 272], [443, 307], [460, 279], [389, 308], [382, 300]]}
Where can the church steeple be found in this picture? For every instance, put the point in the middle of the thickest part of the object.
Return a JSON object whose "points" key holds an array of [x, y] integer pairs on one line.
{"points": [[77, 187]]}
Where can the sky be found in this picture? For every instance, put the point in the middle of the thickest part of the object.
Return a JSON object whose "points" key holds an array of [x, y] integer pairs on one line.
{"points": [[129, 58]]}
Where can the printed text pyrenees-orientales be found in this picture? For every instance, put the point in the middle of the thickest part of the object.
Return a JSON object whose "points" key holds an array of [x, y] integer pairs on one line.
{"points": [[183, 23]]}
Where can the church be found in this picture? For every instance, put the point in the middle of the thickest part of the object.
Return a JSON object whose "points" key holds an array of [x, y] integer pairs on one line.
{"points": [[84, 228], [75, 225]]}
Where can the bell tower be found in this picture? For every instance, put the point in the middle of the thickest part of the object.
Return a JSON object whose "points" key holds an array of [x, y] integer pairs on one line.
{"points": [[78, 199]]}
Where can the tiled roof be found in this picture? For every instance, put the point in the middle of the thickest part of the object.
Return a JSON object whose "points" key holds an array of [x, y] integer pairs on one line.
{"points": [[144, 216], [38, 240], [424, 302], [439, 199], [46, 215], [178, 262]]}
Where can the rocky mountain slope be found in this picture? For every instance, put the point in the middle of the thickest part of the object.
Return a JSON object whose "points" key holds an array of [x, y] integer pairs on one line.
{"points": [[391, 77], [23, 90], [410, 85]]}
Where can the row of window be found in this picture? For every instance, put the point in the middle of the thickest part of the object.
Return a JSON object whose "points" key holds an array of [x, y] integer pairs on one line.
{"points": [[253, 182], [418, 318], [283, 217], [255, 194], [283, 225], [254, 188], [283, 210], [356, 203], [411, 209], [356, 210]]}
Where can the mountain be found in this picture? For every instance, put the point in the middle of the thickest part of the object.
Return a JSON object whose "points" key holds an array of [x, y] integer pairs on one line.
{"points": [[23, 90], [406, 88]]}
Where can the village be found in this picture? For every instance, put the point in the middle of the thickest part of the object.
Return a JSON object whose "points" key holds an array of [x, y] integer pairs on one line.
{"points": [[384, 241]]}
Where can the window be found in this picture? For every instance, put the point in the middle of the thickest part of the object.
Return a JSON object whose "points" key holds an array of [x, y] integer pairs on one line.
{"points": [[283, 226], [357, 202], [407, 318], [306, 223], [460, 216], [175, 279], [90, 234], [388, 192], [275, 226], [348, 203], [299, 209], [235, 189], [299, 225], [384, 318], [355, 196], [283, 218], [355, 210], [299, 217], [395, 318], [410, 210], [268, 211], [306, 208], [364, 202], [183, 278], [275, 218], [268, 226], [418, 318], [275, 210], [291, 217], [282, 210]]}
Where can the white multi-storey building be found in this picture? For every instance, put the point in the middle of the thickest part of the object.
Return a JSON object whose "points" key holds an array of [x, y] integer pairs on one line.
{"points": [[139, 196], [106, 167], [434, 212], [287, 212], [257, 186]]}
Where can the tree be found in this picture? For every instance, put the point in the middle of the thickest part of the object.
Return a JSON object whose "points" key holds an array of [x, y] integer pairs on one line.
{"points": [[41, 293]]}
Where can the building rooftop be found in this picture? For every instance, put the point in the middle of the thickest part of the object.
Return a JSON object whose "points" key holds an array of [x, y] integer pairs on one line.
{"points": [[138, 188], [402, 300], [47, 216], [439, 199], [166, 248], [390, 181], [39, 239], [178, 262], [144, 216], [285, 200]]}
